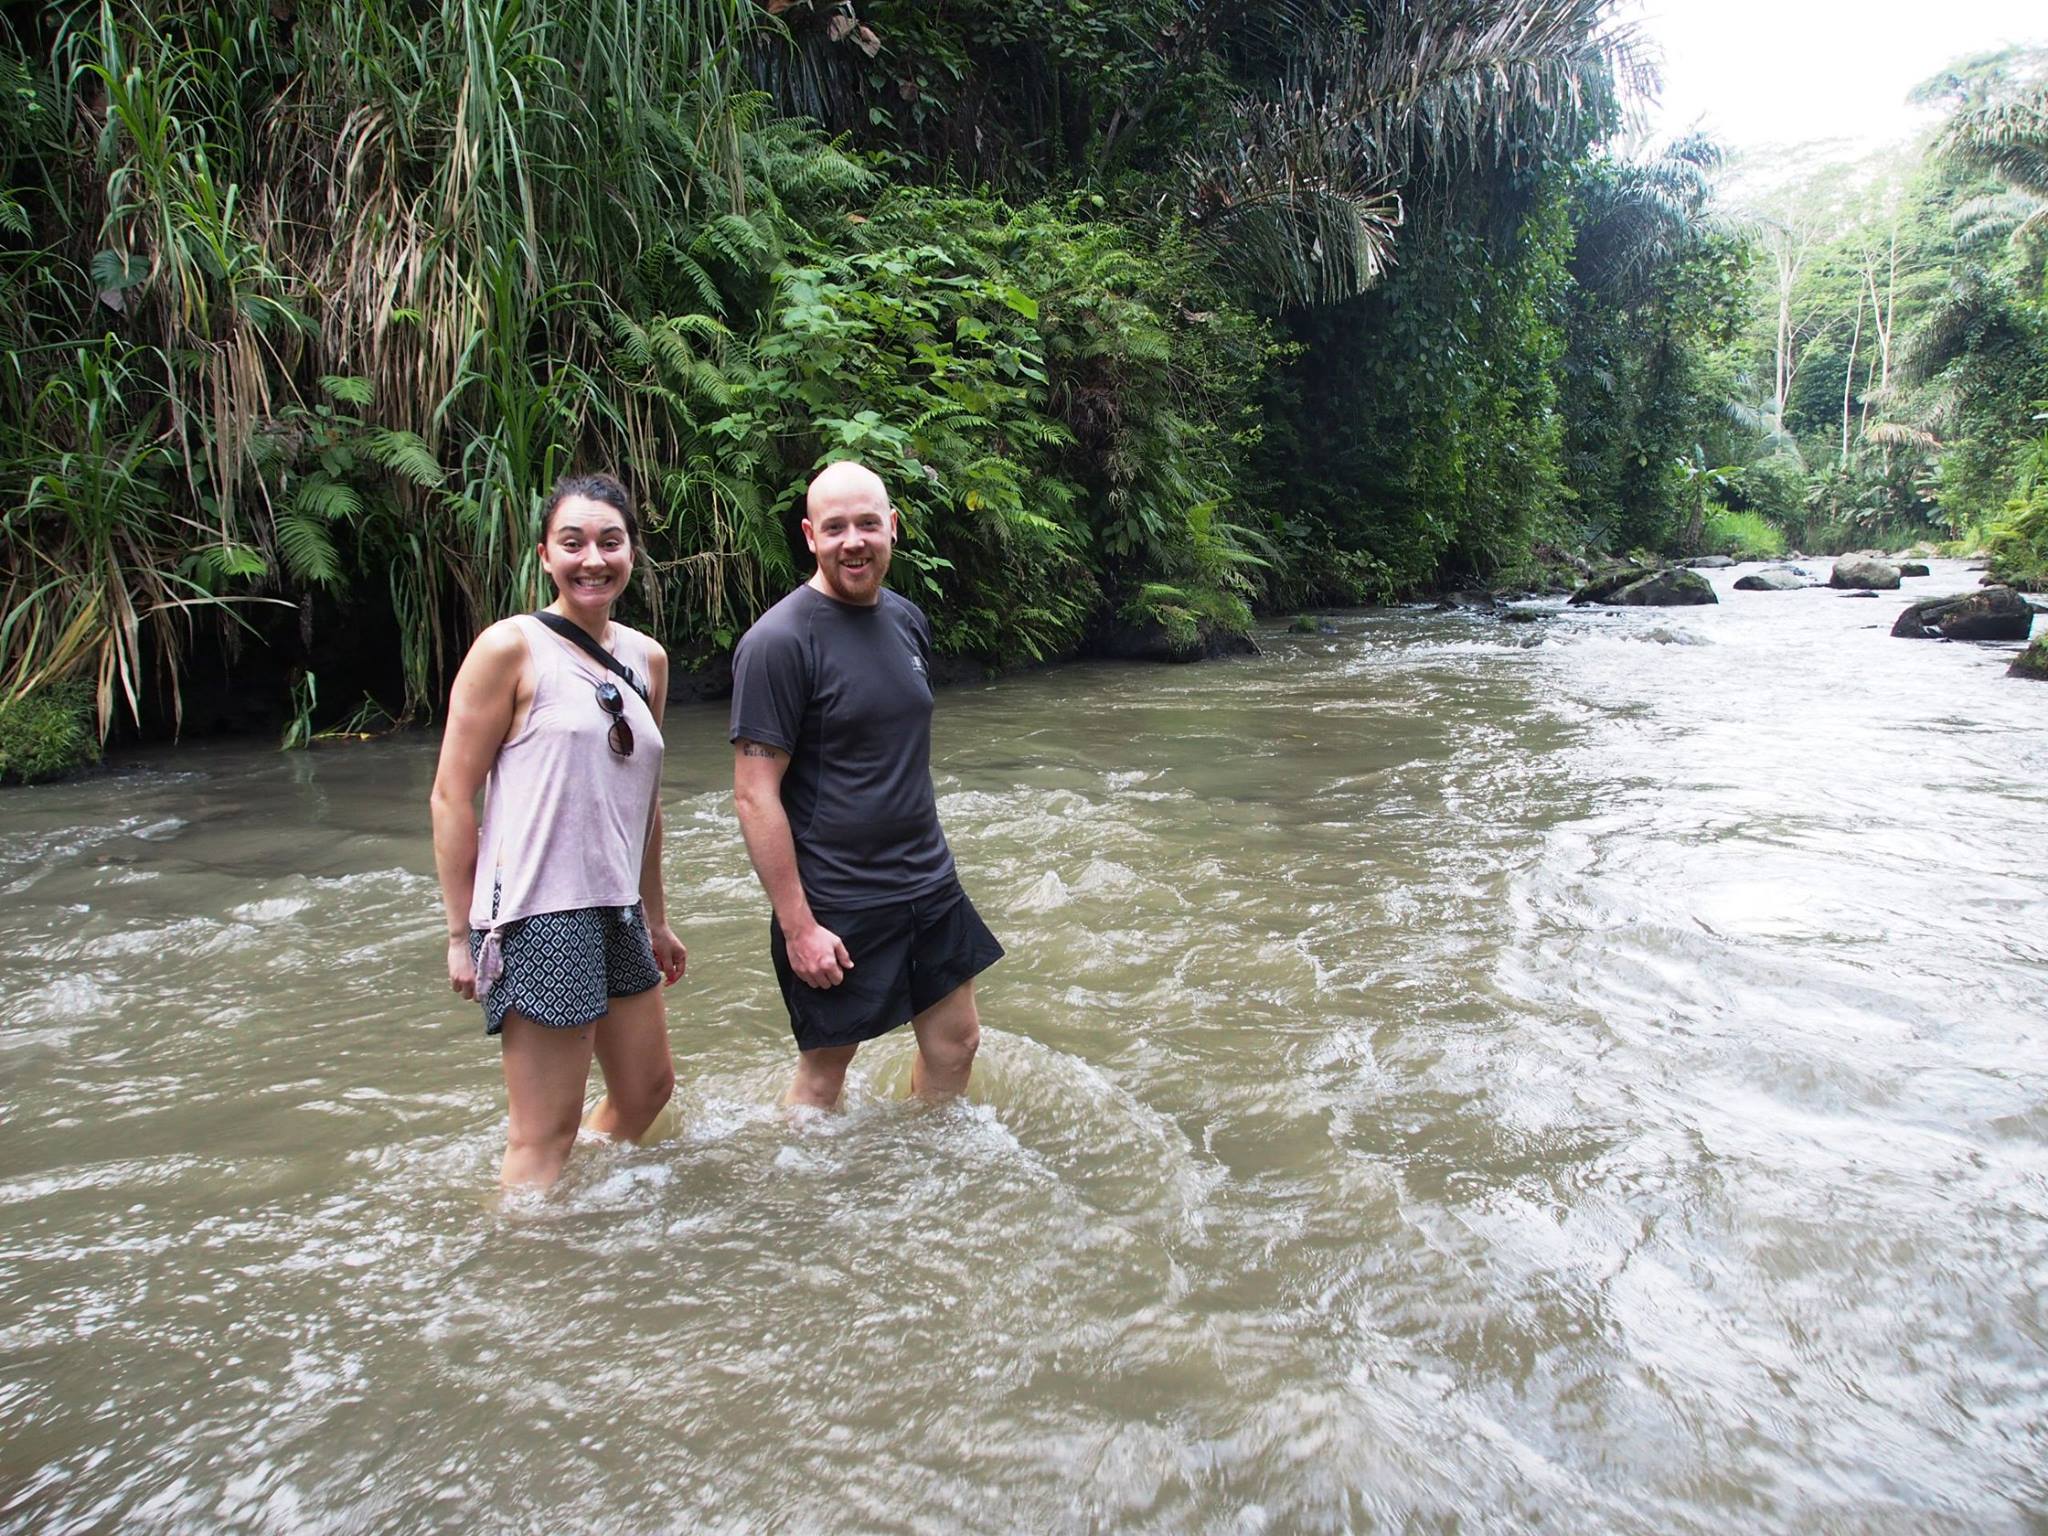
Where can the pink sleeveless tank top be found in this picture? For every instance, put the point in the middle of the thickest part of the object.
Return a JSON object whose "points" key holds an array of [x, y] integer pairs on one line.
{"points": [[565, 818]]}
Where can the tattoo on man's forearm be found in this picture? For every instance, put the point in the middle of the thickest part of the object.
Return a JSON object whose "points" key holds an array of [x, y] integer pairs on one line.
{"points": [[755, 749]]}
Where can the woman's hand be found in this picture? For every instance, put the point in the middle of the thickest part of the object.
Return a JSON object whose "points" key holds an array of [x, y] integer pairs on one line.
{"points": [[669, 953], [461, 969]]}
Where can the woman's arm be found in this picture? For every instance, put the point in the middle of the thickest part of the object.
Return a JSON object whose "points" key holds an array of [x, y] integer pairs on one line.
{"points": [[480, 711], [669, 952]]}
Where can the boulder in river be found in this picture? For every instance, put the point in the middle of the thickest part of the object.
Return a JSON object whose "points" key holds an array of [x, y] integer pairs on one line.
{"points": [[1996, 613], [1861, 572], [1634, 587], [1710, 563], [1601, 588], [2032, 662], [1779, 580], [1674, 588], [1152, 641], [1913, 568]]}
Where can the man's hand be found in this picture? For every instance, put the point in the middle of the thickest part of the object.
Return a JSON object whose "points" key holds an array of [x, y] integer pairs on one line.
{"points": [[461, 969], [818, 957], [669, 953]]}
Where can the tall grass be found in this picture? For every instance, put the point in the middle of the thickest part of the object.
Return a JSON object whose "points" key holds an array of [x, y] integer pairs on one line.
{"points": [[449, 215], [1742, 535]]}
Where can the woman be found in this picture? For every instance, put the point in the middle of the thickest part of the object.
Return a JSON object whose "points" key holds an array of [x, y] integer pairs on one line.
{"points": [[556, 918]]}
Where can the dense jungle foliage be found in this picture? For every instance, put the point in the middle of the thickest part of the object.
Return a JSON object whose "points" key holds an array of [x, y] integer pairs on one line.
{"points": [[1150, 315], [1898, 359]]}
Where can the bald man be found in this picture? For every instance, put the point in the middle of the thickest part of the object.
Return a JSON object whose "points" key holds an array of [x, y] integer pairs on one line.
{"points": [[832, 737]]}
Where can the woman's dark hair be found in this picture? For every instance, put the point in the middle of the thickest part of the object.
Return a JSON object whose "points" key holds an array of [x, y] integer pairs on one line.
{"points": [[608, 489]]}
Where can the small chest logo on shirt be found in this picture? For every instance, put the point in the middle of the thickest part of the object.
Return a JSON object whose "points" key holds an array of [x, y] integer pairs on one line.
{"points": [[917, 664]]}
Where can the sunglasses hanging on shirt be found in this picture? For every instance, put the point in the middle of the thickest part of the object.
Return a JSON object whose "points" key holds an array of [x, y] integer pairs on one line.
{"points": [[614, 704]]}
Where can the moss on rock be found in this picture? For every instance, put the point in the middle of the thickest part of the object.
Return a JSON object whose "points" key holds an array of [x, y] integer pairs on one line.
{"points": [[47, 734], [2032, 662]]}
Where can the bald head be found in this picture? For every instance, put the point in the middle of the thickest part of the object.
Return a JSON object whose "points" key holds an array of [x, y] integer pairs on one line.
{"points": [[851, 528], [845, 486]]}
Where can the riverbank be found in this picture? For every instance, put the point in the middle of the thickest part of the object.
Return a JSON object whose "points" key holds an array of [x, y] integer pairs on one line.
{"points": [[53, 741]]}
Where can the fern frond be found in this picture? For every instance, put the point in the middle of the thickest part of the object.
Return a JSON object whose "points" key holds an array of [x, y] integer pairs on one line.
{"points": [[345, 390], [330, 500], [407, 454], [308, 550]]}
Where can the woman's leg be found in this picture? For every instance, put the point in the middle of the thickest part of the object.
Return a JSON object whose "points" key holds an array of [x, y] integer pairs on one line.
{"points": [[632, 1049], [545, 1072]]}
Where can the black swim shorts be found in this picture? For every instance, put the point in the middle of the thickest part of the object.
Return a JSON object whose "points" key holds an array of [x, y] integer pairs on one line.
{"points": [[906, 957], [562, 969]]}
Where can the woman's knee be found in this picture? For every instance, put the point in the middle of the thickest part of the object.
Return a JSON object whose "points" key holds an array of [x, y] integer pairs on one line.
{"points": [[647, 1093], [552, 1131]]}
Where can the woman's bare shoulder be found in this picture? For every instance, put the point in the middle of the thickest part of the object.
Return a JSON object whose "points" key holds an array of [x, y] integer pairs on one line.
{"points": [[500, 648]]}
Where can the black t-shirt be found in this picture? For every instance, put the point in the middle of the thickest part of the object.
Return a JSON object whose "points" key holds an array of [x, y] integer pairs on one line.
{"points": [[846, 692]]}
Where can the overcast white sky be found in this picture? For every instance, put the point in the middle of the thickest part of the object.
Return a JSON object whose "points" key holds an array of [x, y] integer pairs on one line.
{"points": [[1757, 72]]}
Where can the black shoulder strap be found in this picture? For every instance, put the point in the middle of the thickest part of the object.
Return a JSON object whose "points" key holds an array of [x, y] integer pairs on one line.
{"points": [[597, 653]]}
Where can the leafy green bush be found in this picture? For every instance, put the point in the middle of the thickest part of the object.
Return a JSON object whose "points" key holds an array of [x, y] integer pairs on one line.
{"points": [[1058, 404], [1773, 487], [2018, 540], [47, 734]]}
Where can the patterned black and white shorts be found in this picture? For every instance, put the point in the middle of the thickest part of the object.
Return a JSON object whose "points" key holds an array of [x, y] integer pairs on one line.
{"points": [[562, 969]]}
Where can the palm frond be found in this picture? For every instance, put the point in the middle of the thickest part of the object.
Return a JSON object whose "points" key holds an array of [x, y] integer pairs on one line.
{"points": [[1308, 191], [1897, 434], [2007, 138]]}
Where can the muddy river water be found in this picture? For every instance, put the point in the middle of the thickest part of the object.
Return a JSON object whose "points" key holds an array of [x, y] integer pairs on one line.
{"points": [[1587, 1075]]}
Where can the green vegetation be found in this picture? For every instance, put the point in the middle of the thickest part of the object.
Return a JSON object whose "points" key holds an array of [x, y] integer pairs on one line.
{"points": [[1151, 314], [1742, 535], [48, 734], [1900, 332]]}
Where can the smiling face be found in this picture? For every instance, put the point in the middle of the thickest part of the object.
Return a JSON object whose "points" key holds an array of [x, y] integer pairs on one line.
{"points": [[587, 550], [851, 528]]}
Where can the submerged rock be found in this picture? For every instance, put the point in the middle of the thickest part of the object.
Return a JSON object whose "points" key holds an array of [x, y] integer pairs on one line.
{"points": [[1913, 568], [1710, 563], [1860, 572], [1482, 602], [1996, 613], [1770, 581]]}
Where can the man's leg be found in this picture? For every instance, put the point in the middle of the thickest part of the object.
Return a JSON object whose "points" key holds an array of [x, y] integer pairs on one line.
{"points": [[948, 1034], [820, 1076], [545, 1072], [639, 1076]]}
